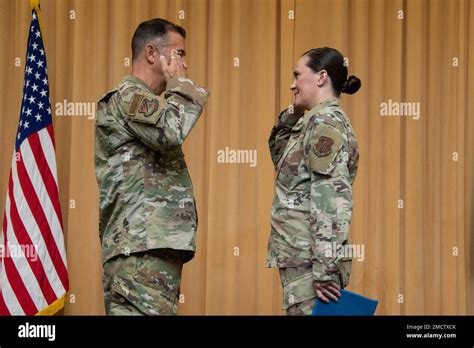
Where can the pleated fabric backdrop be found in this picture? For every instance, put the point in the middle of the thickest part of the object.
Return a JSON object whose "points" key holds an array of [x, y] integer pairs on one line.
{"points": [[413, 194]]}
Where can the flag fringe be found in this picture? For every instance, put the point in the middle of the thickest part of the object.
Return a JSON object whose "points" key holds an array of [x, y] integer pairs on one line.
{"points": [[54, 307]]}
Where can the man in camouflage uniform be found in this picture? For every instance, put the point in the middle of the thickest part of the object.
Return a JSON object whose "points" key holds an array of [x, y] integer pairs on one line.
{"points": [[315, 157], [147, 216]]}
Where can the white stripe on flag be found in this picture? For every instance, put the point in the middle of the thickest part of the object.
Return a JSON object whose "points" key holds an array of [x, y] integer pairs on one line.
{"points": [[49, 152], [26, 216], [9, 297], [2, 255], [21, 264], [43, 197]]}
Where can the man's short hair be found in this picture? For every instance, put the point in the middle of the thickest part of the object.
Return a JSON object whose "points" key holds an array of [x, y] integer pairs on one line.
{"points": [[152, 29]]}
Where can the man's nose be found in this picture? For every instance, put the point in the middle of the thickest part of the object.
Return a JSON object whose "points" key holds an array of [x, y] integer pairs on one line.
{"points": [[293, 86]]}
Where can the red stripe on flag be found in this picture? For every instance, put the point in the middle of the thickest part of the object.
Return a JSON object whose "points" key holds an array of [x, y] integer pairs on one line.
{"points": [[48, 178], [51, 134], [3, 306], [18, 287], [37, 210], [23, 238], [16, 282]]}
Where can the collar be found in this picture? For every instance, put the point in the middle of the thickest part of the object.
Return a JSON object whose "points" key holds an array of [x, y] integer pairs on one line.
{"points": [[330, 102], [333, 101], [136, 80]]}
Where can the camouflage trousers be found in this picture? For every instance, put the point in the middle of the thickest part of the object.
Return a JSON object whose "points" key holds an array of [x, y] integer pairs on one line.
{"points": [[299, 296], [144, 283]]}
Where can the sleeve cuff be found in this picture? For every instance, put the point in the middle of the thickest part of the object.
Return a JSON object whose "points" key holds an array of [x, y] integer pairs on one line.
{"points": [[287, 119], [186, 86], [321, 274]]}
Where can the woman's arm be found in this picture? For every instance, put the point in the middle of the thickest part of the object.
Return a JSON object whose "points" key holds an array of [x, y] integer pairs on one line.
{"points": [[281, 133], [331, 202]]}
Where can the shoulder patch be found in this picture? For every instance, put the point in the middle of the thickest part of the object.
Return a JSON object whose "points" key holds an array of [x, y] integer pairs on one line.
{"points": [[324, 148], [134, 104], [146, 108]]}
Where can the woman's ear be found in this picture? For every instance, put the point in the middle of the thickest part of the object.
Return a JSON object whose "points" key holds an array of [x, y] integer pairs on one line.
{"points": [[322, 78]]}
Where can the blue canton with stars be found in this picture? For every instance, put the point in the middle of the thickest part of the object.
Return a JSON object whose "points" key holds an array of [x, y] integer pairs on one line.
{"points": [[35, 107]]}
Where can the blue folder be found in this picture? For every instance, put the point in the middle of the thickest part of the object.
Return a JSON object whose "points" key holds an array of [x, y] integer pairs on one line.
{"points": [[349, 303]]}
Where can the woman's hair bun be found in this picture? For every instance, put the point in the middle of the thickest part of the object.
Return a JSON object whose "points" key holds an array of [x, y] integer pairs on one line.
{"points": [[351, 86]]}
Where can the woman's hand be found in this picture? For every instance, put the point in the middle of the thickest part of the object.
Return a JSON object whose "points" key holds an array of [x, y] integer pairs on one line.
{"points": [[296, 110], [327, 290]]}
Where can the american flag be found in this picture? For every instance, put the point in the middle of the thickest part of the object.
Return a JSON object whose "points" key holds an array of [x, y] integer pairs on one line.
{"points": [[33, 269]]}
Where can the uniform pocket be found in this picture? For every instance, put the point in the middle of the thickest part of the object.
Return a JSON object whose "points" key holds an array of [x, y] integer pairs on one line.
{"points": [[297, 289], [344, 267], [148, 300], [160, 270]]}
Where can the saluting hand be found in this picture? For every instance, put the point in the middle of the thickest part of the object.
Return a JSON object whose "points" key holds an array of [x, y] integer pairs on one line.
{"points": [[297, 110], [173, 67]]}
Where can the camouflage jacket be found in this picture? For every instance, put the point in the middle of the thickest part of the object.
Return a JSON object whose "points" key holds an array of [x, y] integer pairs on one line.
{"points": [[315, 158], [146, 194]]}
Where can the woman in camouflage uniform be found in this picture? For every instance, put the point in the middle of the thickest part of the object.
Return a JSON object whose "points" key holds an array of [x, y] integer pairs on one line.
{"points": [[315, 156]]}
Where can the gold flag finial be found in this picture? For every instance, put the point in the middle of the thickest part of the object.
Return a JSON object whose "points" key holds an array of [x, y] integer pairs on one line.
{"points": [[35, 4]]}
